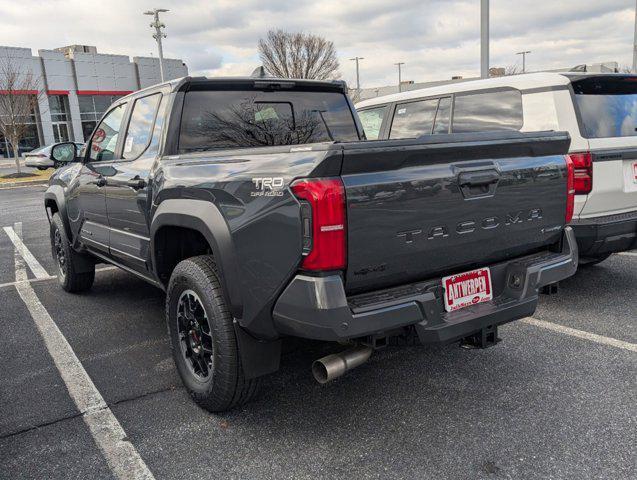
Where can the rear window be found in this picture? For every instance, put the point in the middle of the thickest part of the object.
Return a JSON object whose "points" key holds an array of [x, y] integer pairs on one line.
{"points": [[488, 111], [235, 119], [607, 106]]}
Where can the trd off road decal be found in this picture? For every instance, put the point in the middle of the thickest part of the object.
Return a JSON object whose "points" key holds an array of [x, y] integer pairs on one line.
{"points": [[267, 187]]}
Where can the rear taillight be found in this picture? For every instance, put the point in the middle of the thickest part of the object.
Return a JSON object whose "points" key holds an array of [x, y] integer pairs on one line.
{"points": [[570, 188], [583, 165], [324, 226]]}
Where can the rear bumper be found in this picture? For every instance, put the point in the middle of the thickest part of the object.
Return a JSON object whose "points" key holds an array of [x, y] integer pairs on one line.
{"points": [[318, 308], [603, 235]]}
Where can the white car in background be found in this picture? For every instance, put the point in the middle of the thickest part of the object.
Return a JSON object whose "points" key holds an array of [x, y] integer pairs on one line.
{"points": [[599, 111], [41, 157]]}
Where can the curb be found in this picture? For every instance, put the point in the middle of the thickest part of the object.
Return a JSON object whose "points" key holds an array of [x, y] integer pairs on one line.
{"points": [[26, 183]]}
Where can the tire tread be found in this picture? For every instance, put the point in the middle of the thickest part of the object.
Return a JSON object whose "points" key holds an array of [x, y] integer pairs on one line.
{"points": [[229, 388]]}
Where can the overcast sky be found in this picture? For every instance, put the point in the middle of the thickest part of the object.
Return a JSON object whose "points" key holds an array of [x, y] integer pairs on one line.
{"points": [[435, 39]]}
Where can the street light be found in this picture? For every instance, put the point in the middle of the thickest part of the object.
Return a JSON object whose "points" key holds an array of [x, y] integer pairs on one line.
{"points": [[358, 80], [523, 59], [400, 78], [484, 38], [158, 35]]}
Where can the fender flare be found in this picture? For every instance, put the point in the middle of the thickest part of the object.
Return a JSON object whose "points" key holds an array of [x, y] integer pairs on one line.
{"points": [[205, 218], [55, 193]]}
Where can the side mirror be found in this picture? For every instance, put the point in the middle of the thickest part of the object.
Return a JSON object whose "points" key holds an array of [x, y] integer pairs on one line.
{"points": [[64, 152]]}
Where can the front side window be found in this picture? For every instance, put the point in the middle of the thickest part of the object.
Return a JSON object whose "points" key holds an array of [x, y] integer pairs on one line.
{"points": [[236, 119], [372, 121], [411, 120], [488, 111], [141, 126], [106, 134], [92, 107]]}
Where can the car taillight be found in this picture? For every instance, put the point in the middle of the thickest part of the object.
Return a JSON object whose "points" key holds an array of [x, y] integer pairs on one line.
{"points": [[570, 188], [583, 165], [324, 223]]}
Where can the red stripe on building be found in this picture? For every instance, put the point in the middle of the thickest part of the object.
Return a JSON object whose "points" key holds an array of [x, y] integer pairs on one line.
{"points": [[57, 92], [104, 92], [18, 92]]}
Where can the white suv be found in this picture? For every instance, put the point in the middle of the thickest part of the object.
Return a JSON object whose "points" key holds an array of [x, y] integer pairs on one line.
{"points": [[598, 110]]}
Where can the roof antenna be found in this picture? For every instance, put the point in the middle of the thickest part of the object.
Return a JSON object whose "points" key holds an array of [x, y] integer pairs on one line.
{"points": [[259, 72]]}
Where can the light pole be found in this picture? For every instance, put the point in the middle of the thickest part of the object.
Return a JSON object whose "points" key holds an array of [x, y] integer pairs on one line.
{"points": [[635, 44], [523, 59], [484, 38], [158, 35], [400, 78], [358, 78]]}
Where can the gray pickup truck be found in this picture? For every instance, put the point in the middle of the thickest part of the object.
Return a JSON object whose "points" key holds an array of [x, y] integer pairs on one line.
{"points": [[260, 209]]}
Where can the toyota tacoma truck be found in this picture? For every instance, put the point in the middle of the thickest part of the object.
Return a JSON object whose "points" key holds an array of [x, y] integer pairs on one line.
{"points": [[260, 209]]}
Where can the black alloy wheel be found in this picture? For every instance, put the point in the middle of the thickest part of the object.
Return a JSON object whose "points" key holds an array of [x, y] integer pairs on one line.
{"points": [[195, 338]]}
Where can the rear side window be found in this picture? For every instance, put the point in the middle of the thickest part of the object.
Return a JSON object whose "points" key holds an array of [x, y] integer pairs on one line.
{"points": [[413, 119], [140, 126], [607, 106], [372, 121], [235, 119], [488, 111]]}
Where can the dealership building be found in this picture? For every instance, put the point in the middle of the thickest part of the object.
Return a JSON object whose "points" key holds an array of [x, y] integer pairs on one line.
{"points": [[77, 85]]}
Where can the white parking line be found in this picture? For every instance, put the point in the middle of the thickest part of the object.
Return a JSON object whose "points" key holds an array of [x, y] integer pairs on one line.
{"points": [[34, 280], [593, 337], [110, 437], [21, 248], [629, 254]]}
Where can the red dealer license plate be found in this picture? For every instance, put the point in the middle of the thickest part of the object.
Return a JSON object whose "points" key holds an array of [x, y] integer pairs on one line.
{"points": [[467, 288]]}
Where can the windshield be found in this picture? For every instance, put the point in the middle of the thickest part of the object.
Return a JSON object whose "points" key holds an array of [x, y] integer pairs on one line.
{"points": [[607, 106], [236, 119]]}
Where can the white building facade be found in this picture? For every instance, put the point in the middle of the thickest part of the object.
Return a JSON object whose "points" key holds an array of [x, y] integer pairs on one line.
{"points": [[77, 85]]}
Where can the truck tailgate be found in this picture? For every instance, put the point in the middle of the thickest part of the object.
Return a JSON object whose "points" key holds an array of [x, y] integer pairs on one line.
{"points": [[434, 205]]}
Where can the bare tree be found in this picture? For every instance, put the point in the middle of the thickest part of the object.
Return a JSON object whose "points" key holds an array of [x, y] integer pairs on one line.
{"points": [[298, 55], [513, 69], [20, 92], [354, 94]]}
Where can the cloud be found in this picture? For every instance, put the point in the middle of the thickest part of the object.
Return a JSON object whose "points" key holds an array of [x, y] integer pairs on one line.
{"points": [[436, 39]]}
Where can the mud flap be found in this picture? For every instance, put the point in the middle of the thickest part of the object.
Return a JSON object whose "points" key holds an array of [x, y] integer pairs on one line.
{"points": [[258, 357]]}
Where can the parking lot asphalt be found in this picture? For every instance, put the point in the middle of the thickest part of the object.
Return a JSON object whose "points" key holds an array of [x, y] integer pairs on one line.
{"points": [[543, 403]]}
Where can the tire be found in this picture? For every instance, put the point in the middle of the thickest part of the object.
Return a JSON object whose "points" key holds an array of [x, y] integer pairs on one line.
{"points": [[205, 349], [42, 168], [67, 260], [590, 261]]}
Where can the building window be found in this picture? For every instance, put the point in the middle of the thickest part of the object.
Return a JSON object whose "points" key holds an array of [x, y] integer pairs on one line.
{"points": [[59, 118], [92, 107], [30, 139]]}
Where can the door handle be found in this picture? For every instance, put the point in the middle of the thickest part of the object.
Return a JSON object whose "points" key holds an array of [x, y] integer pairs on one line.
{"points": [[100, 181], [474, 179], [136, 183]]}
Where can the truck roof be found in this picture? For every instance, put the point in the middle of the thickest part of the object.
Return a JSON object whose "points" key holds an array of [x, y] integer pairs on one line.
{"points": [[186, 83]]}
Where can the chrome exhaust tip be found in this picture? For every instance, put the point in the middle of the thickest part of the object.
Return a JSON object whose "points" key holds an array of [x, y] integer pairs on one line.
{"points": [[333, 366]]}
